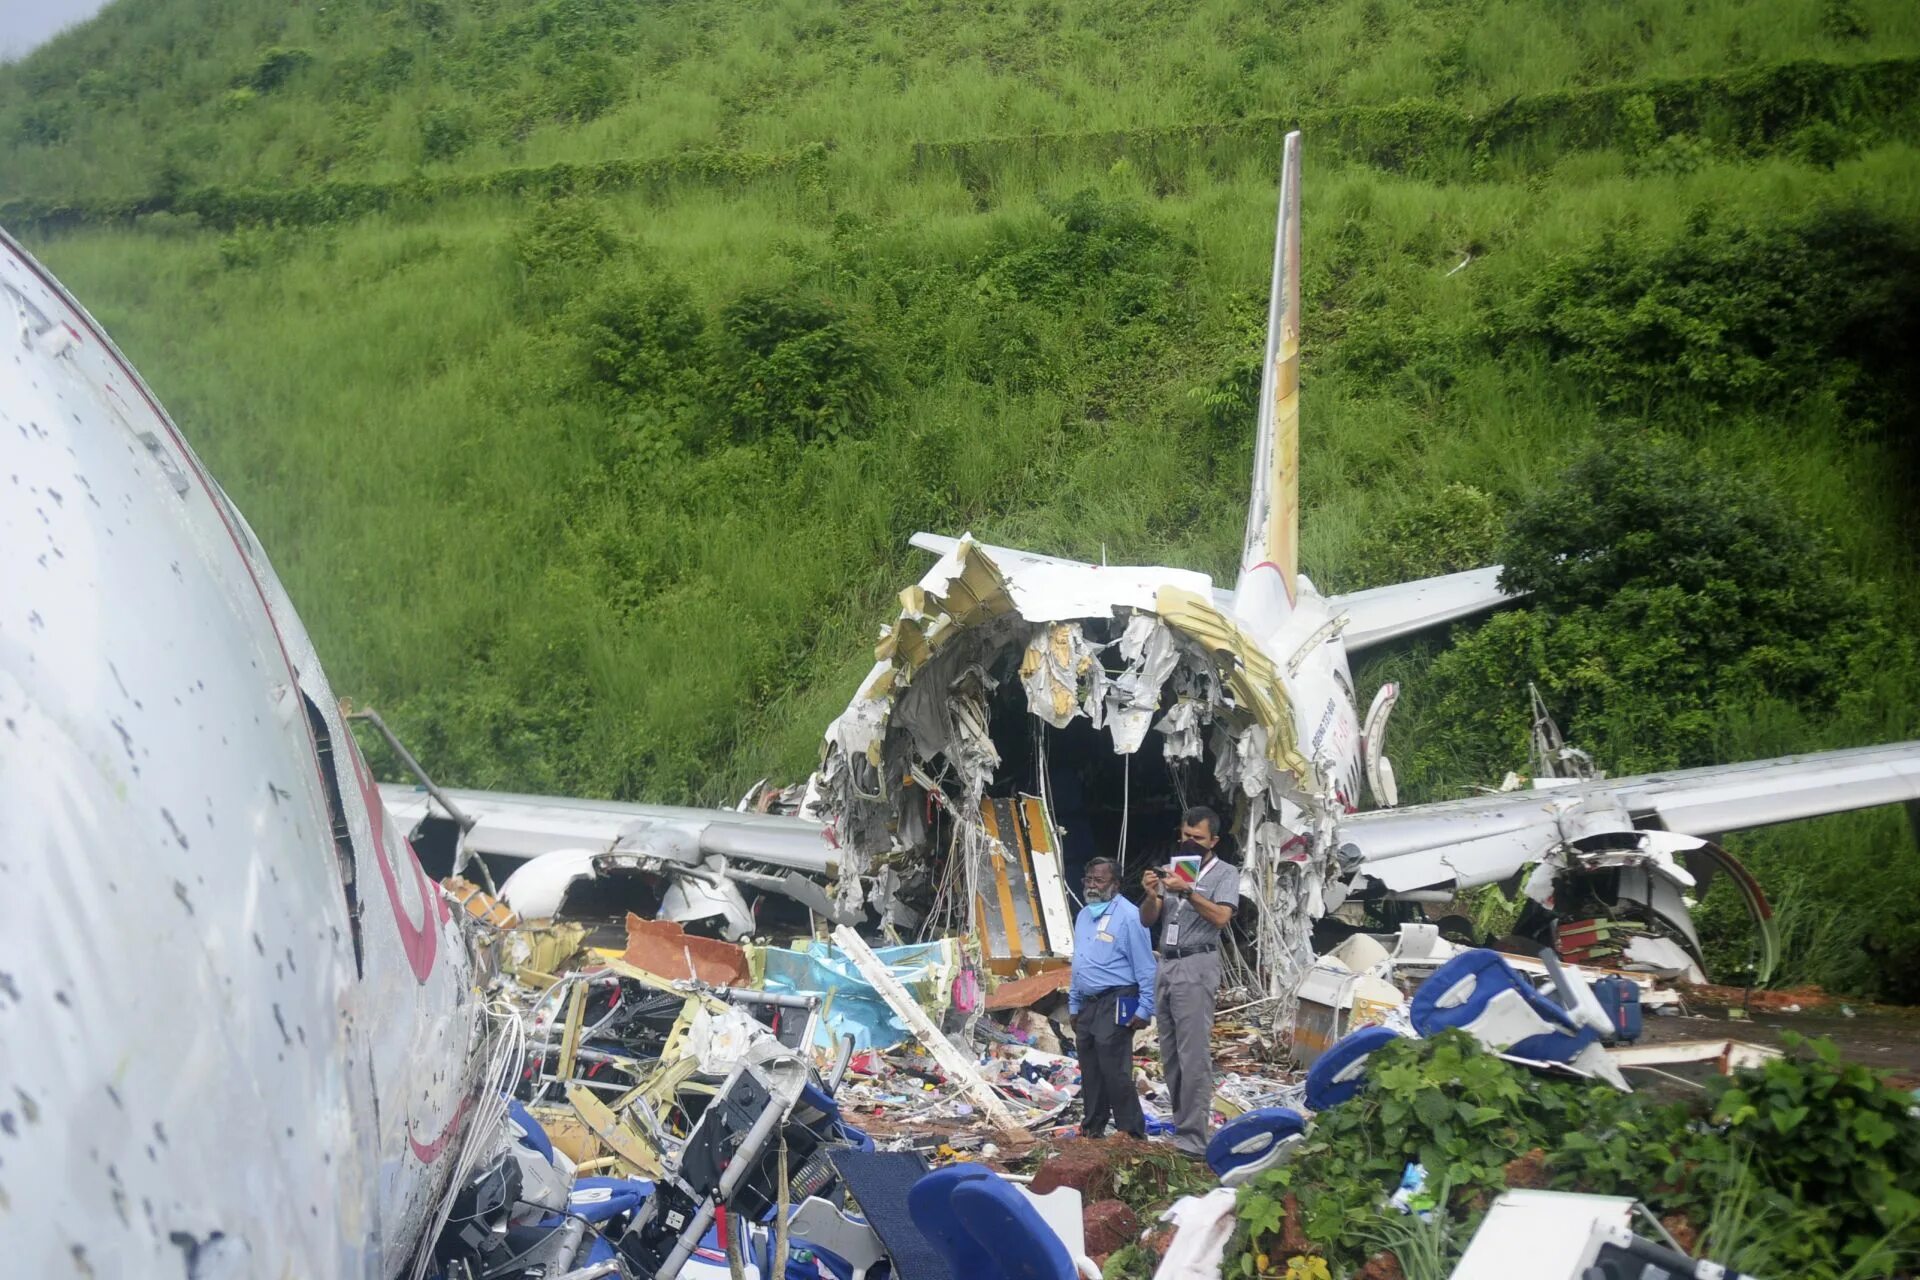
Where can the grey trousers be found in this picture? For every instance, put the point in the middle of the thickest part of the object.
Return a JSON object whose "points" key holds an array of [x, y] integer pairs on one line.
{"points": [[1183, 999]]}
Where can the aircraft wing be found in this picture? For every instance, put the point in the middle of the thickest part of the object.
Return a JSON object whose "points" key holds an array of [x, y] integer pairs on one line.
{"points": [[1488, 838], [515, 826]]}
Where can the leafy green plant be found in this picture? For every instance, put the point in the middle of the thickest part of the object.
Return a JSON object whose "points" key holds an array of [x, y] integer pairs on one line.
{"points": [[564, 233], [795, 365], [1445, 1103], [1806, 1166], [1661, 588], [276, 66], [1735, 313], [1458, 526]]}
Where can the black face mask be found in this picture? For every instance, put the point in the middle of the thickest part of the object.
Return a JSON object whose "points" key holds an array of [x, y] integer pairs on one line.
{"points": [[1195, 848]]}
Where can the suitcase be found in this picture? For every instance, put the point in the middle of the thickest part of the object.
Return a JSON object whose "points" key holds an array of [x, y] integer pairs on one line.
{"points": [[1620, 997]]}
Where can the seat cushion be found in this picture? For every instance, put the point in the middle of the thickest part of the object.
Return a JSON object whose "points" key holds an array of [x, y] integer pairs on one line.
{"points": [[930, 1202], [527, 1130], [881, 1181], [1253, 1141], [1341, 1070], [1553, 1046], [1011, 1230], [602, 1199], [1480, 993]]}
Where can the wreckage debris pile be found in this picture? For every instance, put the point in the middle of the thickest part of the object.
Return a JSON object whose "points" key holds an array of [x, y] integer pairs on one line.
{"points": [[634, 1078]]}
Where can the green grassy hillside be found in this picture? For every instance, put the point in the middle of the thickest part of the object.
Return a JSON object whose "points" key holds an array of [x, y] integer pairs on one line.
{"points": [[585, 366]]}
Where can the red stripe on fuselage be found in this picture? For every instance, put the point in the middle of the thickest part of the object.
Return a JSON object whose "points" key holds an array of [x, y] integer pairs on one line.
{"points": [[421, 944], [428, 1152]]}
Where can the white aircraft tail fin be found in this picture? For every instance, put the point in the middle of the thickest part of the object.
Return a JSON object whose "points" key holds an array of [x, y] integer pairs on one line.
{"points": [[1270, 556]]}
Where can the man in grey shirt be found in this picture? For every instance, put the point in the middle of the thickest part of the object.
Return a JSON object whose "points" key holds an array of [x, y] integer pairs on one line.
{"points": [[1194, 915]]}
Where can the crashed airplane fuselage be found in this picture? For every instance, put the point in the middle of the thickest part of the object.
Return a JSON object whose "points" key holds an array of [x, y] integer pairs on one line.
{"points": [[239, 1030], [1027, 712]]}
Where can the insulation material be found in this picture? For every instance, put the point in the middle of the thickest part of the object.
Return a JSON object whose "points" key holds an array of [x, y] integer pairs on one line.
{"points": [[1148, 650], [1062, 674], [969, 741], [1181, 730]]}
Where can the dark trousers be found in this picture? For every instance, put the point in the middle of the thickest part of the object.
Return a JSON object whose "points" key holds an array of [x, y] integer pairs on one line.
{"points": [[1105, 1048]]}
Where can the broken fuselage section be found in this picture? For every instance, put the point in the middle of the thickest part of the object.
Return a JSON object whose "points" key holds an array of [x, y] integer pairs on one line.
{"points": [[1026, 715]]}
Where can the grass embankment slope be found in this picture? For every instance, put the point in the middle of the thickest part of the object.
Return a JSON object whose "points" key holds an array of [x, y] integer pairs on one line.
{"points": [[584, 366]]}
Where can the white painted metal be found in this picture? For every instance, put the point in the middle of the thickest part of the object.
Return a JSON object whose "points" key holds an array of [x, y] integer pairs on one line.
{"points": [[1488, 838], [1541, 1234], [200, 1074], [1388, 613], [515, 826], [1373, 745]]}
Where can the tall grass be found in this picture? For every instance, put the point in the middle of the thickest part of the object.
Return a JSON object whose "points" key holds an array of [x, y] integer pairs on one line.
{"points": [[174, 90]]}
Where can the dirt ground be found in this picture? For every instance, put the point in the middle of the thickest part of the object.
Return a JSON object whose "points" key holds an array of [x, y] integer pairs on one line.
{"points": [[1886, 1038]]}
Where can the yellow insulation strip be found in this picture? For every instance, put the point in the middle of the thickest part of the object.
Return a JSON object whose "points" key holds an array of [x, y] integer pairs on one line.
{"points": [[1253, 677]]}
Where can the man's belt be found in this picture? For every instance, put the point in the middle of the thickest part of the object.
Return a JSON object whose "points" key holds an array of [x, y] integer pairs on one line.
{"points": [[1181, 953], [1130, 991]]}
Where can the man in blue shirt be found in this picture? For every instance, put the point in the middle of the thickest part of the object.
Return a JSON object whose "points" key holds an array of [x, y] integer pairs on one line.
{"points": [[1110, 998]]}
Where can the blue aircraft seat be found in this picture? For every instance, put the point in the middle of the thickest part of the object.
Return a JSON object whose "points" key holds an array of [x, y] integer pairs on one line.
{"points": [[1481, 994], [930, 1205], [1254, 1142], [527, 1130], [1339, 1072], [602, 1199], [1017, 1239]]}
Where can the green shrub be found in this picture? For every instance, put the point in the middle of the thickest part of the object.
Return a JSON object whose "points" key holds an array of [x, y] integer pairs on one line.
{"points": [[564, 233], [1828, 1151], [795, 365], [1445, 1103], [1454, 528], [1661, 590], [275, 67], [644, 339], [1735, 314], [445, 133]]}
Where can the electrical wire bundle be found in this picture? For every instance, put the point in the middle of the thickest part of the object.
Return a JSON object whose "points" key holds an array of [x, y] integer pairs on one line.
{"points": [[483, 1125]]}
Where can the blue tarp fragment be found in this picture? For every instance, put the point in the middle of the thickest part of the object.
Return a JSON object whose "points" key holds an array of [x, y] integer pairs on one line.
{"points": [[925, 969]]}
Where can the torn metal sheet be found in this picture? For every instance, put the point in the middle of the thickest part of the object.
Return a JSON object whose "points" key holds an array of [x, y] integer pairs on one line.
{"points": [[615, 1132], [662, 947], [1116, 649], [1014, 927], [1724, 1056], [1134, 696]]}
